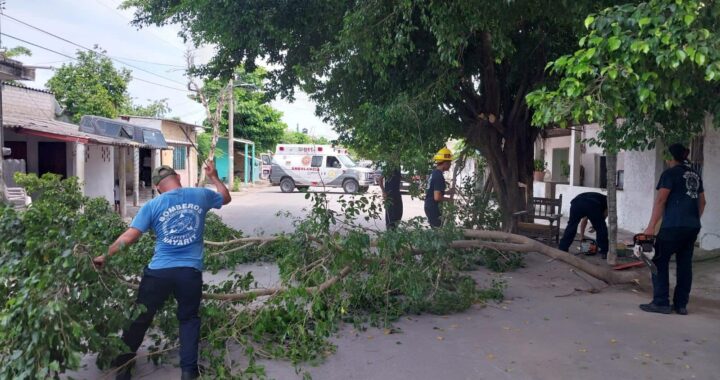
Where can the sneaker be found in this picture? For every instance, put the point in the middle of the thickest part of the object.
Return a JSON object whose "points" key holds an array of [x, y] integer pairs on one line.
{"points": [[680, 310], [652, 308]]}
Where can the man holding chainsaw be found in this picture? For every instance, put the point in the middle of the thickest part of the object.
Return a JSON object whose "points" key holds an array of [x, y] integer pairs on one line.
{"points": [[680, 203], [592, 206]]}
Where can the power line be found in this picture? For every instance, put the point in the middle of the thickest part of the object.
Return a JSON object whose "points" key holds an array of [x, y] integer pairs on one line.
{"points": [[75, 59], [149, 62], [88, 49], [38, 46]]}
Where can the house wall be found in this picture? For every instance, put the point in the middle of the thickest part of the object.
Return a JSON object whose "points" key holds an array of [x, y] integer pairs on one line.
{"points": [[32, 150], [22, 101], [99, 171], [710, 234], [145, 122], [549, 145], [174, 132]]}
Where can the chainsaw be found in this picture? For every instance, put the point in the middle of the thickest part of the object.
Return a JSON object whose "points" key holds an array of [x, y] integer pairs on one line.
{"points": [[644, 249], [588, 247]]}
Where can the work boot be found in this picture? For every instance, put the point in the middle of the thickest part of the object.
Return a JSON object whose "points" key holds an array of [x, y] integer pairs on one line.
{"points": [[680, 310], [652, 308], [124, 373]]}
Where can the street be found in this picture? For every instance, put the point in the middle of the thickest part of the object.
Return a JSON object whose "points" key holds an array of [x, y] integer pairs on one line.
{"points": [[255, 211]]}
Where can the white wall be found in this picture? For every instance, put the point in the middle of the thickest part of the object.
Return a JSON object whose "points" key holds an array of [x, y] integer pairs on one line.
{"points": [[150, 123], [548, 146], [710, 234], [99, 172]]}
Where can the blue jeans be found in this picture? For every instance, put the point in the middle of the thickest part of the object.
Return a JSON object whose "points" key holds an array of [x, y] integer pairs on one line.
{"points": [[681, 242], [155, 287]]}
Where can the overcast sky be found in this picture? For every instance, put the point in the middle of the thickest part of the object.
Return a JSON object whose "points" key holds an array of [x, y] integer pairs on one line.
{"points": [[155, 53]]}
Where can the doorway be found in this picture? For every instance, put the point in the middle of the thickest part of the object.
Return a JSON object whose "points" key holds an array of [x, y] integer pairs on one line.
{"points": [[52, 158], [561, 165]]}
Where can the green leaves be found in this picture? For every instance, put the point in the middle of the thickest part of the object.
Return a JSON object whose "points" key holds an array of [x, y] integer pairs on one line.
{"points": [[654, 81], [588, 21]]}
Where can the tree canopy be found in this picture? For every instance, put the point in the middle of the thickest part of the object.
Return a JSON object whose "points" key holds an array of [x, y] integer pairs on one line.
{"points": [[90, 86], [656, 66], [154, 108], [398, 78]]}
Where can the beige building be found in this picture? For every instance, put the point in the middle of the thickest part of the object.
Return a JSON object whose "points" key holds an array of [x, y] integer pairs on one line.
{"points": [[181, 137]]}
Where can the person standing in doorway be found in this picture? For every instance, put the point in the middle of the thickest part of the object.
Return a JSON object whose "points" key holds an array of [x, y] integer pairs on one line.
{"points": [[390, 186], [680, 202], [177, 217], [116, 195], [435, 193]]}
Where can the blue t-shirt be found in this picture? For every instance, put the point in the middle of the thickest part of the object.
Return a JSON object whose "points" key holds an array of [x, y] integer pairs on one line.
{"points": [[682, 206], [178, 219]]}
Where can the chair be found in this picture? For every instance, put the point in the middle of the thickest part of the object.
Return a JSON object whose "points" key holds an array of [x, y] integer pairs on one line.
{"points": [[548, 212]]}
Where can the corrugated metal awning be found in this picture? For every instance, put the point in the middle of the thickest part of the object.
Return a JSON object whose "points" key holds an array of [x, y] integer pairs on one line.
{"points": [[58, 130], [118, 129]]}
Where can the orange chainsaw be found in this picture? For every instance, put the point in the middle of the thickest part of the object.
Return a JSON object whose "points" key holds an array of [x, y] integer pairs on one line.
{"points": [[644, 249]]}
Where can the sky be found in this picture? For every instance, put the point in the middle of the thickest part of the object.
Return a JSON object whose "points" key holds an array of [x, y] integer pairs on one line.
{"points": [[153, 54]]}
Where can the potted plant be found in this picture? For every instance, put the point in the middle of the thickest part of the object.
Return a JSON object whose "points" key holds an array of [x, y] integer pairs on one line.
{"points": [[539, 173], [565, 166]]}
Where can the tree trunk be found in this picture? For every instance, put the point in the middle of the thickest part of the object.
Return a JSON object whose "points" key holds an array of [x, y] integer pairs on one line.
{"points": [[509, 157], [611, 161]]}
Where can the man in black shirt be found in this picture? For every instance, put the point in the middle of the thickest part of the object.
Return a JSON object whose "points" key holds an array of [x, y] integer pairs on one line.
{"points": [[680, 203], [390, 186], [435, 192], [592, 206]]}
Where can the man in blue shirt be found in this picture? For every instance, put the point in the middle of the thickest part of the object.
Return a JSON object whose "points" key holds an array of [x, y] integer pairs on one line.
{"points": [[178, 218], [435, 192]]}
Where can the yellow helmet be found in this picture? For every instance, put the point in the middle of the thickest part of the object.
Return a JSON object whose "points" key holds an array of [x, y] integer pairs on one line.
{"points": [[443, 154]]}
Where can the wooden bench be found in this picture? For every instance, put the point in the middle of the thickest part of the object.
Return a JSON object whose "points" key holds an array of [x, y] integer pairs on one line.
{"points": [[541, 221]]}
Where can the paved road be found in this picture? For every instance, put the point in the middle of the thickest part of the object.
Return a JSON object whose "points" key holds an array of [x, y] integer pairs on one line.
{"points": [[255, 211]]}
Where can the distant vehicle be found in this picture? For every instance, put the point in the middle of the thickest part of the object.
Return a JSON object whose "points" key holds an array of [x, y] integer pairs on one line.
{"points": [[266, 165], [303, 165]]}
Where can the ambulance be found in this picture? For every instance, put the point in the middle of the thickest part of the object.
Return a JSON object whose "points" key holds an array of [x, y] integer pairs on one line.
{"points": [[299, 166]]}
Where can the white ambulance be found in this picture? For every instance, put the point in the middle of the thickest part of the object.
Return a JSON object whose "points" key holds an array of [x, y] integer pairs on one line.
{"points": [[303, 165]]}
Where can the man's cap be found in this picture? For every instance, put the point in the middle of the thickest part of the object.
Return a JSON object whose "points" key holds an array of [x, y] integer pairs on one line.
{"points": [[161, 172]]}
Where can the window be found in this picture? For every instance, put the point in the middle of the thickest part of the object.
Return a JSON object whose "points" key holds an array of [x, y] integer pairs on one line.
{"points": [[179, 157], [347, 161], [333, 162], [316, 162]]}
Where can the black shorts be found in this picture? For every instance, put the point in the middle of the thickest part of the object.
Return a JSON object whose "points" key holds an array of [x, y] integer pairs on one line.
{"points": [[117, 203]]}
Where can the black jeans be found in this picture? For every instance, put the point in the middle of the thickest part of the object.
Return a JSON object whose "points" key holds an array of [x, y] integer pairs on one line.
{"points": [[578, 210], [681, 242], [155, 287], [393, 211]]}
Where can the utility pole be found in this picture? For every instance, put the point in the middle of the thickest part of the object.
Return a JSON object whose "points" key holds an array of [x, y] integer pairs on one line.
{"points": [[231, 135], [2, 151]]}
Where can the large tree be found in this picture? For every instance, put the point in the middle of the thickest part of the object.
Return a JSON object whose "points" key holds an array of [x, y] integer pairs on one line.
{"points": [[398, 78], [91, 86], [643, 72]]}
